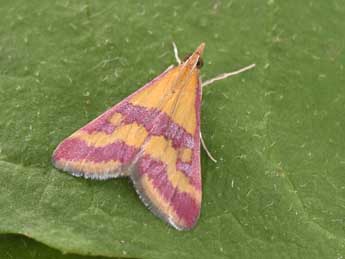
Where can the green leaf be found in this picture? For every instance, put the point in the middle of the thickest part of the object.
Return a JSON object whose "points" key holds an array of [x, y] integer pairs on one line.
{"points": [[278, 131], [18, 247]]}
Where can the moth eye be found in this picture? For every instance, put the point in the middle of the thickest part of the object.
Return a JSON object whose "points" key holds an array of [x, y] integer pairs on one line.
{"points": [[200, 63]]}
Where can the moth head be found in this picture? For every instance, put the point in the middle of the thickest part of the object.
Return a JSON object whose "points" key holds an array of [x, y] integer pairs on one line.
{"points": [[200, 62]]}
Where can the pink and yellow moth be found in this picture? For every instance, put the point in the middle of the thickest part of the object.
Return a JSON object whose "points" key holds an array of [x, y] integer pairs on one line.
{"points": [[153, 137]]}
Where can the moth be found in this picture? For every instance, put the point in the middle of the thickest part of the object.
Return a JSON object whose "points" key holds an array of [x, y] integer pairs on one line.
{"points": [[153, 137]]}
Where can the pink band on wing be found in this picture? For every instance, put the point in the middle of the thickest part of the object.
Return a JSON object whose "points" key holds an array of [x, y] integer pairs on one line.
{"points": [[76, 149]]}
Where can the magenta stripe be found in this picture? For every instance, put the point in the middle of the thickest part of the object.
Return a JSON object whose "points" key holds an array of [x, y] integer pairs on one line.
{"points": [[184, 205], [185, 167], [75, 149], [156, 123]]}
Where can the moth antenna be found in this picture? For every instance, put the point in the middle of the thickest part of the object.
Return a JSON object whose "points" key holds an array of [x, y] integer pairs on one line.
{"points": [[206, 149], [226, 75], [178, 60]]}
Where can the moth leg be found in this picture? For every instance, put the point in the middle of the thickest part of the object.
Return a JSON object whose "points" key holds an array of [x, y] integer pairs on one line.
{"points": [[178, 60], [226, 75], [206, 150]]}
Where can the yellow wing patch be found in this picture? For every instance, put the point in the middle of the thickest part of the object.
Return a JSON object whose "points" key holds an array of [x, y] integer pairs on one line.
{"points": [[185, 155], [116, 119]]}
